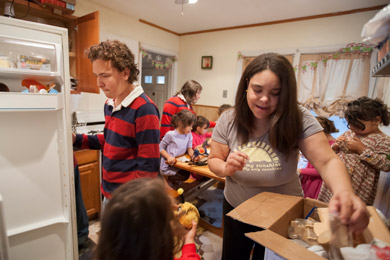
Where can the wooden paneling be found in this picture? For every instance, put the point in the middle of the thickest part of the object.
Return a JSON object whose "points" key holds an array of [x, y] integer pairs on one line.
{"points": [[209, 112]]}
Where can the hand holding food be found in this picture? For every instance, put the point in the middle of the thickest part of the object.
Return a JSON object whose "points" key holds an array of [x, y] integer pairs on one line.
{"points": [[187, 213]]}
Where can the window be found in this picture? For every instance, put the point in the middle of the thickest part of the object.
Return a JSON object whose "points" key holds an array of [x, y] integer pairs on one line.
{"points": [[161, 80], [148, 79]]}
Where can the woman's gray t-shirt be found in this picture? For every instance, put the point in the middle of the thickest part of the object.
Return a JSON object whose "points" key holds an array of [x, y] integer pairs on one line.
{"points": [[268, 169]]}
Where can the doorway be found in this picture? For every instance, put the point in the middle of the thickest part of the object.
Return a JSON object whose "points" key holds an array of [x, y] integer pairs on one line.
{"points": [[156, 77]]}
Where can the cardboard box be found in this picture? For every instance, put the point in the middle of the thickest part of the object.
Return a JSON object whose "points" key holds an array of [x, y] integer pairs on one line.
{"points": [[273, 212]]}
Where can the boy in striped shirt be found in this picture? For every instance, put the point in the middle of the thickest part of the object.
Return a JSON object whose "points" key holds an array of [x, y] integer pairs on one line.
{"points": [[130, 142]]}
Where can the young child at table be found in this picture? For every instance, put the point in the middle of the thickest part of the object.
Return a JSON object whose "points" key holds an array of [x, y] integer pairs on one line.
{"points": [[364, 149], [139, 223], [199, 138], [199, 131], [176, 143], [311, 180], [222, 108]]}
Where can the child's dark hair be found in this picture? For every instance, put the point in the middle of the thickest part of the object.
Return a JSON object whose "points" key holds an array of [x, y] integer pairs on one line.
{"points": [[327, 124], [138, 223], [184, 117], [222, 108], [200, 121], [366, 109]]}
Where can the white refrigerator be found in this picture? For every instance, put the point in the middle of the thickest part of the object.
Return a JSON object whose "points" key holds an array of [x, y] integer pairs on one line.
{"points": [[36, 163]]}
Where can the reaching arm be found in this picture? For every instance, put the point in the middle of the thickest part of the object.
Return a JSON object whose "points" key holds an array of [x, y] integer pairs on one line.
{"points": [[351, 208], [147, 136], [169, 159], [83, 141], [190, 152]]}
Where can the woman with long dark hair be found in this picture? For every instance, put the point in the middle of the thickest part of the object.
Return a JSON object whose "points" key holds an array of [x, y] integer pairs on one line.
{"points": [[256, 145]]}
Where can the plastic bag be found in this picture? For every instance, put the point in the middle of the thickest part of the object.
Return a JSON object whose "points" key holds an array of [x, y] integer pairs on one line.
{"points": [[303, 229]]}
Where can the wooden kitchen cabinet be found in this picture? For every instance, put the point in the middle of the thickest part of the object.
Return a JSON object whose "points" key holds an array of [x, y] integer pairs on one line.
{"points": [[82, 32], [89, 163]]}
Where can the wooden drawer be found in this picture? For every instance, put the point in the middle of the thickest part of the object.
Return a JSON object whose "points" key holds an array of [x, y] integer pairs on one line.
{"points": [[89, 163], [86, 156]]}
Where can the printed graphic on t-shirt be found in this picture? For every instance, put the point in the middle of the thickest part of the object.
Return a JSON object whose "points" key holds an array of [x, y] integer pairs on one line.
{"points": [[262, 157]]}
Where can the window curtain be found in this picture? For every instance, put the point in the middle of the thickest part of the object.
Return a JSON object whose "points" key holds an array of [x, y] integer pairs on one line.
{"points": [[326, 82]]}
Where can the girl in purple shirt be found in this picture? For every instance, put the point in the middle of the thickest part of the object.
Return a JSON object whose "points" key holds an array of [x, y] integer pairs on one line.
{"points": [[176, 143]]}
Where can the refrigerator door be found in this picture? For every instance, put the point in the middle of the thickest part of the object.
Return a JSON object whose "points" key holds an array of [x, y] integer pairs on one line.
{"points": [[36, 167]]}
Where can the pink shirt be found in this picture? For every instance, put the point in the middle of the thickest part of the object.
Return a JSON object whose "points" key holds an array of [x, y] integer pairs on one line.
{"points": [[198, 139]]}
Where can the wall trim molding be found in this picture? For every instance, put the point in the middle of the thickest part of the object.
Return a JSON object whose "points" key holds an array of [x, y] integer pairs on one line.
{"points": [[360, 10]]}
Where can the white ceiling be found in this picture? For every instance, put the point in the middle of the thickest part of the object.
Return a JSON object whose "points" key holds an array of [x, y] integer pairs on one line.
{"points": [[214, 14]]}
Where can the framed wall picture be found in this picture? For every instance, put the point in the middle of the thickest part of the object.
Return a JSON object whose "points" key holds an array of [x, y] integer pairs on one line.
{"points": [[207, 62]]}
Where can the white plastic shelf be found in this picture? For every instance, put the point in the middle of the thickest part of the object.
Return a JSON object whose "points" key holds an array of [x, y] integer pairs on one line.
{"points": [[30, 74], [13, 101]]}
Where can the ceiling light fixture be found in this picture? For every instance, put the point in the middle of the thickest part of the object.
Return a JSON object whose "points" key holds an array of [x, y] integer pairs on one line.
{"points": [[182, 2]]}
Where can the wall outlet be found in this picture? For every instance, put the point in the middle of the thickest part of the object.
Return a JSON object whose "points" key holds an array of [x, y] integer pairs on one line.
{"points": [[224, 93]]}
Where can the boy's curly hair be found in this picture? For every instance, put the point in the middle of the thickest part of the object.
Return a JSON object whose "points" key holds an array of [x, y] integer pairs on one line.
{"points": [[118, 53]]}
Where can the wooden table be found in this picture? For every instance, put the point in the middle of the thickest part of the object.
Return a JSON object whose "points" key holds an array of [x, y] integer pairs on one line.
{"points": [[201, 170], [204, 171]]}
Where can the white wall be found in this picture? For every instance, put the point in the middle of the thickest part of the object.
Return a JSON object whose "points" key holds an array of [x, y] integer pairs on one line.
{"points": [[126, 27], [224, 46]]}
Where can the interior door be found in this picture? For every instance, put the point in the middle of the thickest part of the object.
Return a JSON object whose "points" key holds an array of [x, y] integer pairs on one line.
{"points": [[155, 85]]}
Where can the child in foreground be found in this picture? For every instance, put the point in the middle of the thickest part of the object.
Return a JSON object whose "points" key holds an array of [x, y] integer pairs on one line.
{"points": [[177, 143], [139, 224], [364, 149]]}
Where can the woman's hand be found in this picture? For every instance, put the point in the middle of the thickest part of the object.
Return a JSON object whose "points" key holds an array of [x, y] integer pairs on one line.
{"points": [[235, 162], [352, 210], [73, 137], [189, 238]]}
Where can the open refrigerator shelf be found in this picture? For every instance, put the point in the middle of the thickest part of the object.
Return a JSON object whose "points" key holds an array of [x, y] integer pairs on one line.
{"points": [[29, 74], [13, 101]]}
